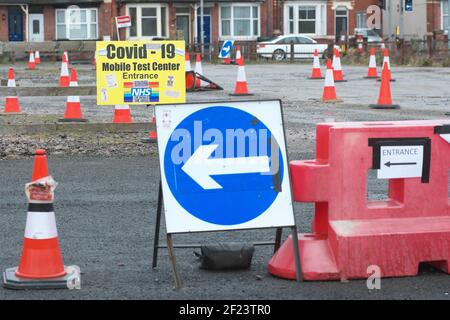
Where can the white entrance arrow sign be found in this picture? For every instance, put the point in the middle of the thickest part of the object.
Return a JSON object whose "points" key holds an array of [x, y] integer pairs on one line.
{"points": [[200, 167], [400, 162]]}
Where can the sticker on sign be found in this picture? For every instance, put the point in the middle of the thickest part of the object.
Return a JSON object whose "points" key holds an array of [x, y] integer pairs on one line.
{"points": [[400, 162]]}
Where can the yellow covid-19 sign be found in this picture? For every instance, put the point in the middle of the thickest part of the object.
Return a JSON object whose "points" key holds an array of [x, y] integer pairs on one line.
{"points": [[140, 72]]}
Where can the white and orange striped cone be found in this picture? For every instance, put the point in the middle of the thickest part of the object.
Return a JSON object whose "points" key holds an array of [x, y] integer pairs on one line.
{"points": [[73, 106], [238, 58], [337, 67], [385, 96], [152, 137], [122, 114], [387, 61], [199, 69], [12, 105], [241, 88], [41, 264], [31, 62], [316, 73], [382, 45], [65, 57], [329, 90], [187, 62], [372, 73], [37, 57], [64, 78]]}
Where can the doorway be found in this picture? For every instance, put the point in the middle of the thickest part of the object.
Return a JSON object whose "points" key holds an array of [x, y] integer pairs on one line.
{"points": [[206, 30], [15, 24], [341, 22], [183, 26], [36, 27]]}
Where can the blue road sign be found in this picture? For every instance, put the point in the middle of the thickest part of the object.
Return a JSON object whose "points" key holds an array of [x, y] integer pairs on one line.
{"points": [[226, 49], [224, 182]]}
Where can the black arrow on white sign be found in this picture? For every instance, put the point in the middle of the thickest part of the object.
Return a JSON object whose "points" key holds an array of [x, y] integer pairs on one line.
{"points": [[389, 164]]}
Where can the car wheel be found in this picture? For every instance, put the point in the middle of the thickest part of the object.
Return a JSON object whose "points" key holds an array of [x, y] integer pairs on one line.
{"points": [[279, 55]]}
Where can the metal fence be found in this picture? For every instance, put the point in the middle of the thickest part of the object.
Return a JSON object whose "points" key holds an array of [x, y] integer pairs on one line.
{"points": [[400, 51]]}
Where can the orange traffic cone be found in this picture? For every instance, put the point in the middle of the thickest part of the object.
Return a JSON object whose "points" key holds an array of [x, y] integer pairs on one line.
{"points": [[388, 62], [329, 90], [199, 69], [31, 62], [41, 265], [94, 63], [385, 97], [238, 59], [12, 105], [37, 57], [227, 60], [152, 137], [382, 45], [316, 73], [372, 73], [64, 79], [337, 67], [73, 107], [65, 58], [122, 114], [241, 88], [187, 62]]}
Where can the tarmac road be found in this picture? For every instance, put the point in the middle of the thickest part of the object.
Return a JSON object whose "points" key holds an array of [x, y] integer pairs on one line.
{"points": [[105, 212]]}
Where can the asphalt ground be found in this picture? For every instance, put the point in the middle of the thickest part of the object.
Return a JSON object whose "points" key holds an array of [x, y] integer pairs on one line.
{"points": [[106, 207], [105, 214]]}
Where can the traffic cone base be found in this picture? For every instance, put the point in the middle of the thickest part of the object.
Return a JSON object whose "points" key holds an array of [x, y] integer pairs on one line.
{"points": [[383, 106], [330, 94], [67, 281], [392, 80], [73, 113], [241, 89], [152, 137], [12, 106], [122, 114], [371, 77]]}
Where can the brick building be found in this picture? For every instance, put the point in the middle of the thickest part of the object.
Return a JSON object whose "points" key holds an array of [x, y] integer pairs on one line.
{"points": [[244, 20]]}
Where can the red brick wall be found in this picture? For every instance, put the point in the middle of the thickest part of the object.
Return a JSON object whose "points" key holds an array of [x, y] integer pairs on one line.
{"points": [[49, 23], [330, 19], [172, 21], [215, 24], [3, 24], [104, 20]]}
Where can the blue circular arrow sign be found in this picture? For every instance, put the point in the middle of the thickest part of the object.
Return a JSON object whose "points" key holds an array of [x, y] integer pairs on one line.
{"points": [[226, 49], [223, 165]]}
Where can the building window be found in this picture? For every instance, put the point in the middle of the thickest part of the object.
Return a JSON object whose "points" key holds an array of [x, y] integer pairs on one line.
{"points": [[147, 21], [361, 20], [306, 20], [239, 20], [76, 24], [445, 17], [291, 19]]}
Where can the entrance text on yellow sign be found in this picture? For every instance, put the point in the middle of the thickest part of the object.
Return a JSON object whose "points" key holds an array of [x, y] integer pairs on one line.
{"points": [[140, 72]]}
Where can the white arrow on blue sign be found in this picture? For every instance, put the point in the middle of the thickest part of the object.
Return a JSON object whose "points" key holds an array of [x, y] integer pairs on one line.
{"points": [[225, 51], [223, 166]]}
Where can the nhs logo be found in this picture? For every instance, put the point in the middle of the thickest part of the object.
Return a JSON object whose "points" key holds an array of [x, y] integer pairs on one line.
{"points": [[141, 92]]}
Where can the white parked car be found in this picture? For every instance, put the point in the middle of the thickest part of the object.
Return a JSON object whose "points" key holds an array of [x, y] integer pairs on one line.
{"points": [[279, 48]]}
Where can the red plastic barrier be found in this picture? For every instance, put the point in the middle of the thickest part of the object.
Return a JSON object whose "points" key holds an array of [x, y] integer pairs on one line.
{"points": [[350, 232]]}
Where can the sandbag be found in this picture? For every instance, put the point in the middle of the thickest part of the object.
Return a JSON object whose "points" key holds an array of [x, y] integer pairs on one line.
{"points": [[225, 256]]}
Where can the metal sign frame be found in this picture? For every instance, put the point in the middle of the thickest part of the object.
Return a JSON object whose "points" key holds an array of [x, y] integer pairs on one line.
{"points": [[277, 241]]}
